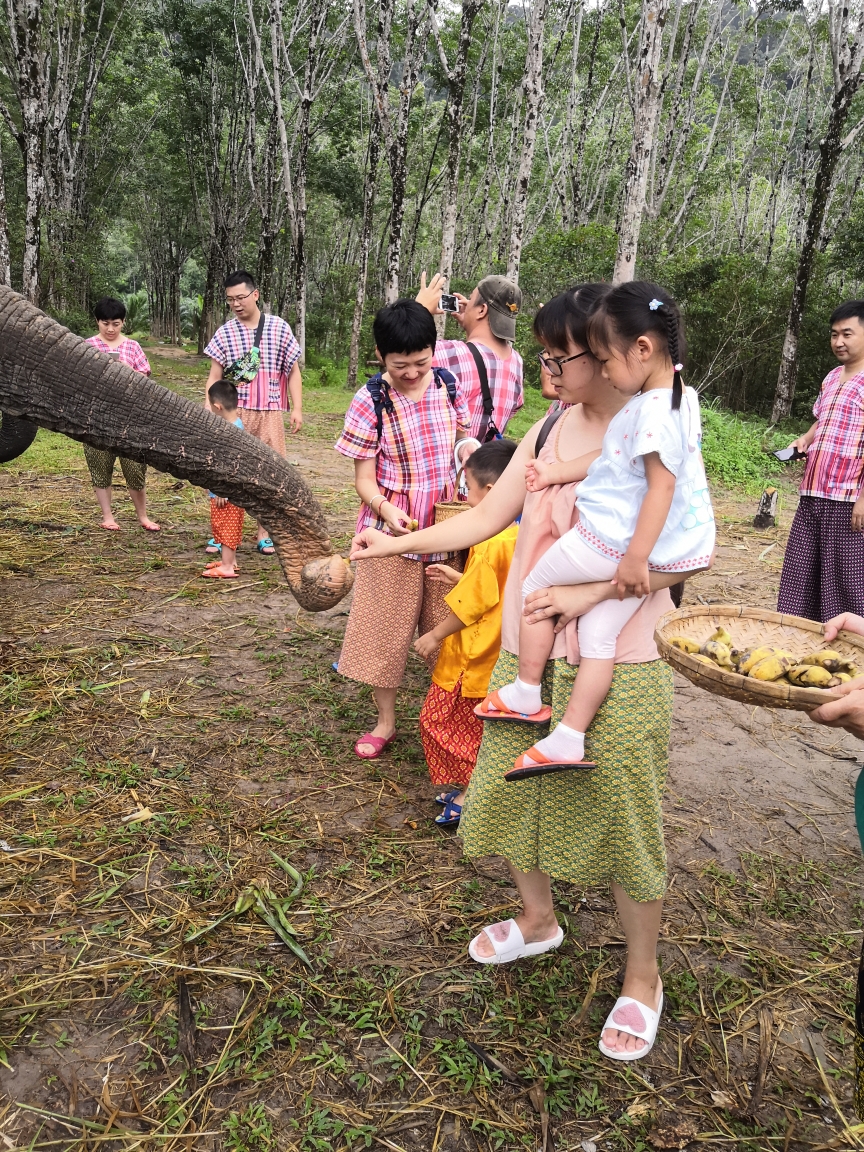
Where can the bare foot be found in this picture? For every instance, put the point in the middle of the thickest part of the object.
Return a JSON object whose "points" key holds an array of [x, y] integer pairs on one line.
{"points": [[150, 525], [385, 731], [532, 931], [646, 992], [110, 525]]}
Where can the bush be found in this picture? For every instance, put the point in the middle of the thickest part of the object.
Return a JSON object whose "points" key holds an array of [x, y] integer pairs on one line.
{"points": [[737, 452]]}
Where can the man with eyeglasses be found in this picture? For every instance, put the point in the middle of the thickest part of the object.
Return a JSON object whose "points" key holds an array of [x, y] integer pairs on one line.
{"points": [[276, 387], [488, 318]]}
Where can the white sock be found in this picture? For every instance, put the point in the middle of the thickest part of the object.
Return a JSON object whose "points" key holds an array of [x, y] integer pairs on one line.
{"points": [[521, 697], [563, 743]]}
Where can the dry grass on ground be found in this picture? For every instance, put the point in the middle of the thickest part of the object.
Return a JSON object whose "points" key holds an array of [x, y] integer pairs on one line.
{"points": [[130, 684]]}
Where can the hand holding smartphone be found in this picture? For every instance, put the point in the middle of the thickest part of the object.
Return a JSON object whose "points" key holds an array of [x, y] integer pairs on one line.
{"points": [[448, 303], [790, 453]]}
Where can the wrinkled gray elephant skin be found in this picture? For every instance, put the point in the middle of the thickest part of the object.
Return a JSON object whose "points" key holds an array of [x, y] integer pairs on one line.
{"points": [[56, 380]]}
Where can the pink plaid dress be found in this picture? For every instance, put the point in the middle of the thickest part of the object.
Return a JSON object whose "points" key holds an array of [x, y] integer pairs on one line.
{"points": [[414, 465], [836, 457], [268, 392], [505, 380], [127, 352]]}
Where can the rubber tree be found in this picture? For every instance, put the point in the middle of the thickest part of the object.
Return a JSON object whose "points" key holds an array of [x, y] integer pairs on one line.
{"points": [[645, 89], [846, 37]]}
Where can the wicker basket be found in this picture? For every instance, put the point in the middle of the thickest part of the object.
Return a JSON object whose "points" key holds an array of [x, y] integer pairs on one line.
{"points": [[751, 628], [444, 509]]}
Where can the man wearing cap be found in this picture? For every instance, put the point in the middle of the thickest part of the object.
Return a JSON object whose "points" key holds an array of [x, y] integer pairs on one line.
{"points": [[488, 318]]}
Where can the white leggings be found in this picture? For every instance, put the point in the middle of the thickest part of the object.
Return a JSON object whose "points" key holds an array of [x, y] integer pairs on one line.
{"points": [[571, 561]]}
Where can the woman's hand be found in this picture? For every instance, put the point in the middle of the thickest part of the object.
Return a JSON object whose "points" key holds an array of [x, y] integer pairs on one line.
{"points": [[370, 544], [567, 602], [443, 574], [632, 577], [536, 475], [848, 622], [847, 712], [296, 420], [399, 522], [426, 646]]}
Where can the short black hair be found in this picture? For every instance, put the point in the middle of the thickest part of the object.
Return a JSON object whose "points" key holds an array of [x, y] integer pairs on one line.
{"points": [[852, 308], [223, 392], [488, 462], [110, 308], [564, 320], [403, 326], [241, 276]]}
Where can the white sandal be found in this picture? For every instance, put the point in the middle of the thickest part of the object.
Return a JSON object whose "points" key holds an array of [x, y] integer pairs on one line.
{"points": [[635, 1019], [509, 943]]}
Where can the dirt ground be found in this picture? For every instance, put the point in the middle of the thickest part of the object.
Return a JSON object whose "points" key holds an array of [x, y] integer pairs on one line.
{"points": [[134, 688]]}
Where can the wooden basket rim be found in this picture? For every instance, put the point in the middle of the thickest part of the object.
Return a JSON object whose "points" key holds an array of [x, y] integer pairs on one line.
{"points": [[757, 690]]}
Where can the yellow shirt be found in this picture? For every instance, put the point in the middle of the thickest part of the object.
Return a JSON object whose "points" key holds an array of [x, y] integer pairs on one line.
{"points": [[477, 600]]}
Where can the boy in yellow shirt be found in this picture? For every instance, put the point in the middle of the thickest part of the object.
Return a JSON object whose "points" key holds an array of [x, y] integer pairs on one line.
{"points": [[470, 639]]}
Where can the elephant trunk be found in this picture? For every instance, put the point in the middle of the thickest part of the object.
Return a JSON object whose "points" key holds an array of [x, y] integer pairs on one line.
{"points": [[58, 381]]}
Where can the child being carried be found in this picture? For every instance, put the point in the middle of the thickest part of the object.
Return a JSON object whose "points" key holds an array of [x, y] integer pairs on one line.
{"points": [[644, 505]]}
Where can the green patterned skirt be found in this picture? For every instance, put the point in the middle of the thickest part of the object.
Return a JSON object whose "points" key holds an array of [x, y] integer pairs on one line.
{"points": [[584, 827]]}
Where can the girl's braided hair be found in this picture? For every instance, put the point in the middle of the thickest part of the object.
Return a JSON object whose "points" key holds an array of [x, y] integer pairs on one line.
{"points": [[629, 311]]}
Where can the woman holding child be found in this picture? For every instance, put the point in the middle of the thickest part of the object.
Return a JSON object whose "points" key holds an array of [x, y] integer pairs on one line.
{"points": [[598, 824]]}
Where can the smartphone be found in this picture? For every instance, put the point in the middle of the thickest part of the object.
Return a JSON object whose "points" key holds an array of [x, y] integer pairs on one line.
{"points": [[448, 303], [790, 453]]}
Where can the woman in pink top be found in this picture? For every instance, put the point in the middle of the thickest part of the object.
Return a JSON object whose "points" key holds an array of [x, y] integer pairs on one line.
{"points": [[588, 828]]}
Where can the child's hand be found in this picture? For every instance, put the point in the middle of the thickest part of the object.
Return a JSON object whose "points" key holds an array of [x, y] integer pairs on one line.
{"points": [[399, 522], [220, 501], [443, 574], [426, 646], [632, 577], [296, 421], [536, 475]]}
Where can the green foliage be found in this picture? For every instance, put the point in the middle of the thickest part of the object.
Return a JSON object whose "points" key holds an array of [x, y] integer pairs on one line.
{"points": [[737, 451], [248, 1131]]}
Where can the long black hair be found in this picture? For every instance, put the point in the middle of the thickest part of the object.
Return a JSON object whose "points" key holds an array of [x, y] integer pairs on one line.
{"points": [[629, 311]]}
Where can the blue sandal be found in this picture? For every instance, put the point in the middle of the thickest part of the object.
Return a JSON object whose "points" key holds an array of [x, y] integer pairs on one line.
{"points": [[450, 815], [445, 799], [264, 544], [212, 547]]}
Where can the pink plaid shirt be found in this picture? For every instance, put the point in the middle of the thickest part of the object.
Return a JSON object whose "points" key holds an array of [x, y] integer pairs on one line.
{"points": [[414, 457], [127, 352], [505, 380], [268, 392], [836, 457]]}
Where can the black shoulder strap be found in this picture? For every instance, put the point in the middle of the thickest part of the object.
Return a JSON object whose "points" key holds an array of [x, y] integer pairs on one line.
{"points": [[445, 377], [259, 331], [488, 431], [380, 393], [546, 429]]}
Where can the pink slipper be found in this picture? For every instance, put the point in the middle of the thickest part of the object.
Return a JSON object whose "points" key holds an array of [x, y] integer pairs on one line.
{"points": [[494, 708], [215, 574], [216, 563], [151, 527], [534, 763], [378, 743]]}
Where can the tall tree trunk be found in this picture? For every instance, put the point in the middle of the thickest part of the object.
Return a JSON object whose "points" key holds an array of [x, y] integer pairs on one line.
{"points": [[532, 88], [647, 99], [369, 186], [848, 59], [5, 259], [455, 100]]}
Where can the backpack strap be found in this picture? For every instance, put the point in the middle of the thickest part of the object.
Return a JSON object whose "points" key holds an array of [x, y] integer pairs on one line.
{"points": [[380, 393], [259, 331], [488, 431], [546, 429], [443, 376]]}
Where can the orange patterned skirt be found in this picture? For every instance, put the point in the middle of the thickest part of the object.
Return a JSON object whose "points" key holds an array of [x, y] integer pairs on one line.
{"points": [[226, 524], [451, 735]]}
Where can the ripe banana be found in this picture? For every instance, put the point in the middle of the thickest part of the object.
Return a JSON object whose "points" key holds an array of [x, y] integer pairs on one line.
{"points": [[809, 676], [773, 667], [685, 644], [753, 659], [842, 678], [721, 636], [719, 653], [825, 658]]}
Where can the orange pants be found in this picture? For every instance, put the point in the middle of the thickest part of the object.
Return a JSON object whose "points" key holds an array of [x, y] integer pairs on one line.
{"points": [[226, 524]]}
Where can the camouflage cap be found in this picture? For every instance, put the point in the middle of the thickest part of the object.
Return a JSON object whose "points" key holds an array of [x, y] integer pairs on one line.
{"points": [[504, 299]]}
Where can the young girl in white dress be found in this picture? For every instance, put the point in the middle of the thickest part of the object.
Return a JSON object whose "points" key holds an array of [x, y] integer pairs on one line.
{"points": [[644, 505]]}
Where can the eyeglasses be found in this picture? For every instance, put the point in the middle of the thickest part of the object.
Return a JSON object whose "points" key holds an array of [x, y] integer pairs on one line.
{"points": [[238, 299], [554, 365]]}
